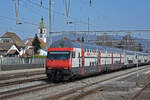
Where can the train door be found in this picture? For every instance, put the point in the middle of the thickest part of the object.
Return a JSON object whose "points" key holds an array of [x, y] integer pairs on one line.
{"points": [[76, 61], [99, 61]]}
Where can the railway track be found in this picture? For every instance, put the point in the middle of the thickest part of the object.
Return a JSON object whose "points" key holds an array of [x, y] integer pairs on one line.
{"points": [[19, 75], [143, 94], [80, 92], [76, 93], [25, 90], [15, 82]]}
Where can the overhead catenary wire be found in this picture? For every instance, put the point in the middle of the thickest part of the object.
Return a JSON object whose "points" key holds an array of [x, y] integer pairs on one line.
{"points": [[90, 3], [24, 21], [67, 6], [19, 32], [14, 27], [41, 3], [108, 31], [63, 14], [29, 22], [30, 8]]}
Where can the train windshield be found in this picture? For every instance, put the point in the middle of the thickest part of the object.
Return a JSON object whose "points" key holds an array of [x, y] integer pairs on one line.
{"points": [[58, 55]]}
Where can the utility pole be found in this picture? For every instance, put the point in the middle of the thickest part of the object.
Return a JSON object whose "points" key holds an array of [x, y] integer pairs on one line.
{"points": [[50, 22], [16, 2], [88, 28]]}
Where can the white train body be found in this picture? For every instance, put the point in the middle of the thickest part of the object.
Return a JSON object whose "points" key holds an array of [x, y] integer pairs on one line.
{"points": [[75, 59]]}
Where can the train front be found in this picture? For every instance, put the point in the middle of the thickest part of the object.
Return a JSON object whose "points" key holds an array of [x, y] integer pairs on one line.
{"points": [[59, 63]]}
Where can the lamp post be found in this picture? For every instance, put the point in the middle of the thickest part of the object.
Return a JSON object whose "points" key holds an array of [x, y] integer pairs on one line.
{"points": [[137, 66]]}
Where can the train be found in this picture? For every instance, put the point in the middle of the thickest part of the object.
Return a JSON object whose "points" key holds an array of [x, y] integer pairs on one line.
{"points": [[68, 59]]}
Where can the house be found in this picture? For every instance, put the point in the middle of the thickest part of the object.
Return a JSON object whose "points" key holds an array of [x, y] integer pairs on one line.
{"points": [[29, 51], [11, 45], [42, 51], [8, 49], [15, 38], [6, 40]]}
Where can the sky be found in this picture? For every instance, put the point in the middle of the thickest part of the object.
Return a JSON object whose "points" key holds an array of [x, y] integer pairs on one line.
{"points": [[103, 14]]}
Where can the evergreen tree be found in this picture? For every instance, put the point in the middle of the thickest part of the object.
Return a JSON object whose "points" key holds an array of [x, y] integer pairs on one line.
{"points": [[140, 48], [78, 39], [36, 44]]}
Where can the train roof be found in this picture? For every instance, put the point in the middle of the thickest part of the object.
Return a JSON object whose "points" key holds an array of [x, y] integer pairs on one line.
{"points": [[75, 44]]}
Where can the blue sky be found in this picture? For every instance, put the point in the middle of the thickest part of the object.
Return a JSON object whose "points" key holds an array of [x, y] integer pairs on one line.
{"points": [[104, 15]]}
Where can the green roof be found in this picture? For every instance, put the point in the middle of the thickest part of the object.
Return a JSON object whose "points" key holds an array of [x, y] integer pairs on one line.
{"points": [[42, 24]]}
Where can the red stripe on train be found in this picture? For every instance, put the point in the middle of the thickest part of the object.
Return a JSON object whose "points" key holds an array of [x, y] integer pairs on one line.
{"points": [[82, 56]]}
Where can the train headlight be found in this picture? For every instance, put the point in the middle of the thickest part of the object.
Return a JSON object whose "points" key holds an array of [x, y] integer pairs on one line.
{"points": [[65, 67]]}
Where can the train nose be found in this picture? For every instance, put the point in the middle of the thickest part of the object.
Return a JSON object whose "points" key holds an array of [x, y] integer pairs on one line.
{"points": [[53, 64]]}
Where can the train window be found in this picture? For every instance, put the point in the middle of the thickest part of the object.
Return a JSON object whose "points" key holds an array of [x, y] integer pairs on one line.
{"points": [[93, 63], [130, 61], [73, 55], [117, 62], [78, 55], [90, 64], [87, 50], [58, 55], [79, 63]]}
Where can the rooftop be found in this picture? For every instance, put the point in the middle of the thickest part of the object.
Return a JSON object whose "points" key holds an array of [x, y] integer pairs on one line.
{"points": [[15, 38]]}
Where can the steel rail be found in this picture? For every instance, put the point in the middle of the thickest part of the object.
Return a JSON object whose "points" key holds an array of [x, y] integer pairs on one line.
{"points": [[21, 81], [20, 75], [25, 90], [140, 92]]}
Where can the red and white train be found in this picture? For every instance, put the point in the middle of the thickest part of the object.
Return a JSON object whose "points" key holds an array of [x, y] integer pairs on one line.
{"points": [[67, 59]]}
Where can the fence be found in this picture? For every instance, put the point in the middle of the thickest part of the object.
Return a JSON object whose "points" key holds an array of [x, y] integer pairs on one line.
{"points": [[18, 60], [14, 63]]}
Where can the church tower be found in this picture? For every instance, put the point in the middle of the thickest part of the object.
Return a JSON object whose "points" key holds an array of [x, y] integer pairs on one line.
{"points": [[42, 30]]}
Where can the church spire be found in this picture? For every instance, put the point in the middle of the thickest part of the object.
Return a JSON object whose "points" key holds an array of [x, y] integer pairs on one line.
{"points": [[42, 19], [42, 30], [42, 24]]}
